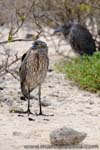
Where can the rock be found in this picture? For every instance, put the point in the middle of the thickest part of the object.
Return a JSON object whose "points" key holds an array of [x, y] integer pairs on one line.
{"points": [[66, 136], [1, 88], [31, 97], [15, 133], [45, 103], [16, 110], [91, 102], [50, 70], [23, 98], [29, 36]]}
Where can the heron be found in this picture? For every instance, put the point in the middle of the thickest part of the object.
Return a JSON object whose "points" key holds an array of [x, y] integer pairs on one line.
{"points": [[79, 38], [33, 71]]}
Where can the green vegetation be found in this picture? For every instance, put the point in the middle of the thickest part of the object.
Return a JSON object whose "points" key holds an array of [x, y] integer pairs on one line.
{"points": [[84, 71]]}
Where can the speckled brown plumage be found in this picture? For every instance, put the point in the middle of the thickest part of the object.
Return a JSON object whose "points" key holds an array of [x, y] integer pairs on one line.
{"points": [[33, 69]]}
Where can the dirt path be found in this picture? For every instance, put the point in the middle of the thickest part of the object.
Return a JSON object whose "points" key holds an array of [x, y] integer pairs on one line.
{"points": [[71, 107]]}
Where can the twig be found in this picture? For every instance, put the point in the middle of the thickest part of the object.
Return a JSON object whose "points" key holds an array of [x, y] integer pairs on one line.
{"points": [[8, 71], [10, 64], [27, 14], [15, 40]]}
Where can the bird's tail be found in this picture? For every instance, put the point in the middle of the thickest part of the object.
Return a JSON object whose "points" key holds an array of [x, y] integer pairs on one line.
{"points": [[24, 90]]}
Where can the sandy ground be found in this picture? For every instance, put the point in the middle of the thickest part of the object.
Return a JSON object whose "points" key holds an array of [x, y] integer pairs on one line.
{"points": [[71, 107]]}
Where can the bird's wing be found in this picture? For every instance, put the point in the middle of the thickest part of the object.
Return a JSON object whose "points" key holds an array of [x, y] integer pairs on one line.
{"points": [[23, 67], [30, 63], [23, 71], [22, 59], [23, 56]]}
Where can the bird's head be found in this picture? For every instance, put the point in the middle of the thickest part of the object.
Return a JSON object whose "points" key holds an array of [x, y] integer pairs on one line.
{"points": [[40, 46], [65, 29]]}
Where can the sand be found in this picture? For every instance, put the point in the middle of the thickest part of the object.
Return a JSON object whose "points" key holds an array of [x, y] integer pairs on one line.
{"points": [[71, 106]]}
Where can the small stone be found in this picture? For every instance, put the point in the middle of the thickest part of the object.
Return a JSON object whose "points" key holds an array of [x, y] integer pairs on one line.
{"points": [[50, 70], [88, 107], [50, 86], [66, 136], [16, 110], [45, 103], [15, 133], [3, 78], [28, 36], [1, 88], [31, 119], [91, 102], [23, 98]]}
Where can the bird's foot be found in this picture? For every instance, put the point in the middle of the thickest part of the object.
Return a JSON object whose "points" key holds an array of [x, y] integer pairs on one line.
{"points": [[41, 114], [29, 112], [24, 112], [21, 114]]}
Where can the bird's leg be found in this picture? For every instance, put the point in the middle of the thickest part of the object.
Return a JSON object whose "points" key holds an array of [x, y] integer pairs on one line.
{"points": [[40, 113], [28, 109]]}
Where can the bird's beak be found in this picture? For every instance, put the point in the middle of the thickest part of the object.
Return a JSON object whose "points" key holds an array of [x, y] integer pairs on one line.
{"points": [[33, 47], [60, 29]]}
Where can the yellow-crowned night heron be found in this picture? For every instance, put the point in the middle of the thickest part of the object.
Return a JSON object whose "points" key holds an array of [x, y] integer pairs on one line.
{"points": [[79, 37], [33, 70]]}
